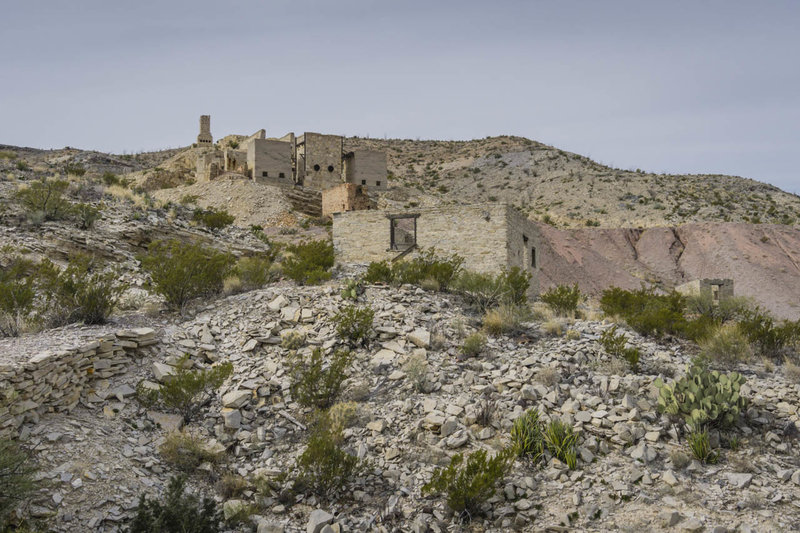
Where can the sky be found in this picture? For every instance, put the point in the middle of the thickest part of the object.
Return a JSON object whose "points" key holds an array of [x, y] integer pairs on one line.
{"points": [[673, 86]]}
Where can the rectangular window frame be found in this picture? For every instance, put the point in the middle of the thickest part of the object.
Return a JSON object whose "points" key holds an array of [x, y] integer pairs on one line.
{"points": [[393, 245]]}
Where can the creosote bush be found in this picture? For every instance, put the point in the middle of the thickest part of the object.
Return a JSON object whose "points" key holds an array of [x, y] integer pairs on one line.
{"points": [[309, 262], [474, 345], [181, 272], [645, 311], [17, 478], [187, 391], [770, 338], [468, 484], [17, 295], [485, 291], [315, 384], [615, 344], [253, 271], [212, 218], [325, 469], [563, 300], [178, 513], [437, 272], [45, 197], [354, 324]]}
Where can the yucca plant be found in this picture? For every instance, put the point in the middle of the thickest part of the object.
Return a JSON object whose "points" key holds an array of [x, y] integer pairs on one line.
{"points": [[526, 435], [560, 440], [700, 445]]}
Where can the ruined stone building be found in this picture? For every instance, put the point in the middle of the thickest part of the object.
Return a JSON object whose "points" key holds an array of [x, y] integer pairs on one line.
{"points": [[490, 237], [312, 160], [718, 289]]}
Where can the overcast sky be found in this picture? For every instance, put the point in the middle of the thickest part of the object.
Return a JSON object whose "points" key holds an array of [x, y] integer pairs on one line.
{"points": [[671, 86]]}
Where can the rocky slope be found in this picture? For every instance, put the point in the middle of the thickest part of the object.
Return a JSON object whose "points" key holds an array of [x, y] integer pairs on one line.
{"points": [[633, 472]]}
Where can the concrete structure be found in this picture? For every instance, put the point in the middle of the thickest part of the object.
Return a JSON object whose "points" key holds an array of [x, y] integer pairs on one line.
{"points": [[366, 167], [209, 165], [270, 161], [718, 289], [321, 157], [490, 237], [204, 137], [345, 197]]}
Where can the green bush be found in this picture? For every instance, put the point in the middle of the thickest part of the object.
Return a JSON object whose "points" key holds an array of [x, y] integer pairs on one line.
{"points": [[253, 271], [725, 344], [725, 310], [700, 445], [560, 440], [186, 391], [179, 513], [469, 484], [80, 292], [503, 320], [354, 324], [527, 437], [353, 288], [428, 266], [293, 340], [474, 345], [45, 197], [212, 218], [702, 398], [378, 272], [17, 478], [17, 295], [186, 451], [309, 262], [22, 165], [75, 169], [325, 469], [484, 291], [771, 339], [315, 384], [109, 179], [181, 271], [562, 300], [645, 311], [615, 344], [86, 215]]}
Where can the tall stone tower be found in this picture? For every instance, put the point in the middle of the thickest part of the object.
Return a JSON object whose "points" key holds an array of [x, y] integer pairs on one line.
{"points": [[205, 130]]}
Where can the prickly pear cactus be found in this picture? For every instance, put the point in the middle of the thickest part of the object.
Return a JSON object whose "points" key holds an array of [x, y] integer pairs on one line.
{"points": [[352, 290], [703, 398]]}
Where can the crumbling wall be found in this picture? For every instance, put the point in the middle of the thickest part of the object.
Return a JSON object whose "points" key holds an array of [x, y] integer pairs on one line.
{"points": [[322, 155], [478, 233], [57, 381], [345, 197], [521, 247], [204, 137], [270, 161], [718, 289], [366, 167]]}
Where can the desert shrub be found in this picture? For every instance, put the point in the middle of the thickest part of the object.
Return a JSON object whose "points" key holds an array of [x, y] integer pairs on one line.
{"points": [[725, 344], [615, 344], [485, 410], [770, 339], [186, 451], [17, 478], [186, 391], [700, 445], [645, 311], [7, 154], [253, 271], [22, 165], [325, 469], [703, 398], [231, 485], [181, 271], [416, 368], [562, 300], [428, 266], [484, 291], [354, 324], [725, 310], [109, 179], [309, 262], [353, 288], [315, 384], [80, 292], [378, 272], [527, 437], [45, 197], [341, 416], [178, 513], [503, 320], [469, 484], [474, 345], [17, 295], [213, 218], [75, 169], [86, 215], [560, 440]]}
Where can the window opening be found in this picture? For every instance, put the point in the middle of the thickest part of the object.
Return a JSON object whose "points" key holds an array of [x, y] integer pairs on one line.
{"points": [[403, 232]]}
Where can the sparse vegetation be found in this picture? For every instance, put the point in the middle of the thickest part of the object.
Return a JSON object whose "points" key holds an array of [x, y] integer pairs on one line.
{"points": [[527, 437], [474, 345], [615, 344], [725, 344], [354, 324], [309, 262], [503, 320], [186, 451], [254, 271], [700, 446], [46, 198], [17, 478], [484, 291], [563, 300], [315, 384], [213, 218], [560, 441], [17, 294], [645, 311], [179, 513], [181, 272]]}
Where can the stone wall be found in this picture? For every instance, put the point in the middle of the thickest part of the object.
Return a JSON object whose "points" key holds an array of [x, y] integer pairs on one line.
{"points": [[323, 160], [270, 161], [366, 167], [718, 289], [478, 233], [345, 197], [57, 381], [522, 252]]}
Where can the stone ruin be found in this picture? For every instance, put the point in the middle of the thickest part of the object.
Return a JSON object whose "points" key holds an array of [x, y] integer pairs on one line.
{"points": [[719, 289], [312, 160]]}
